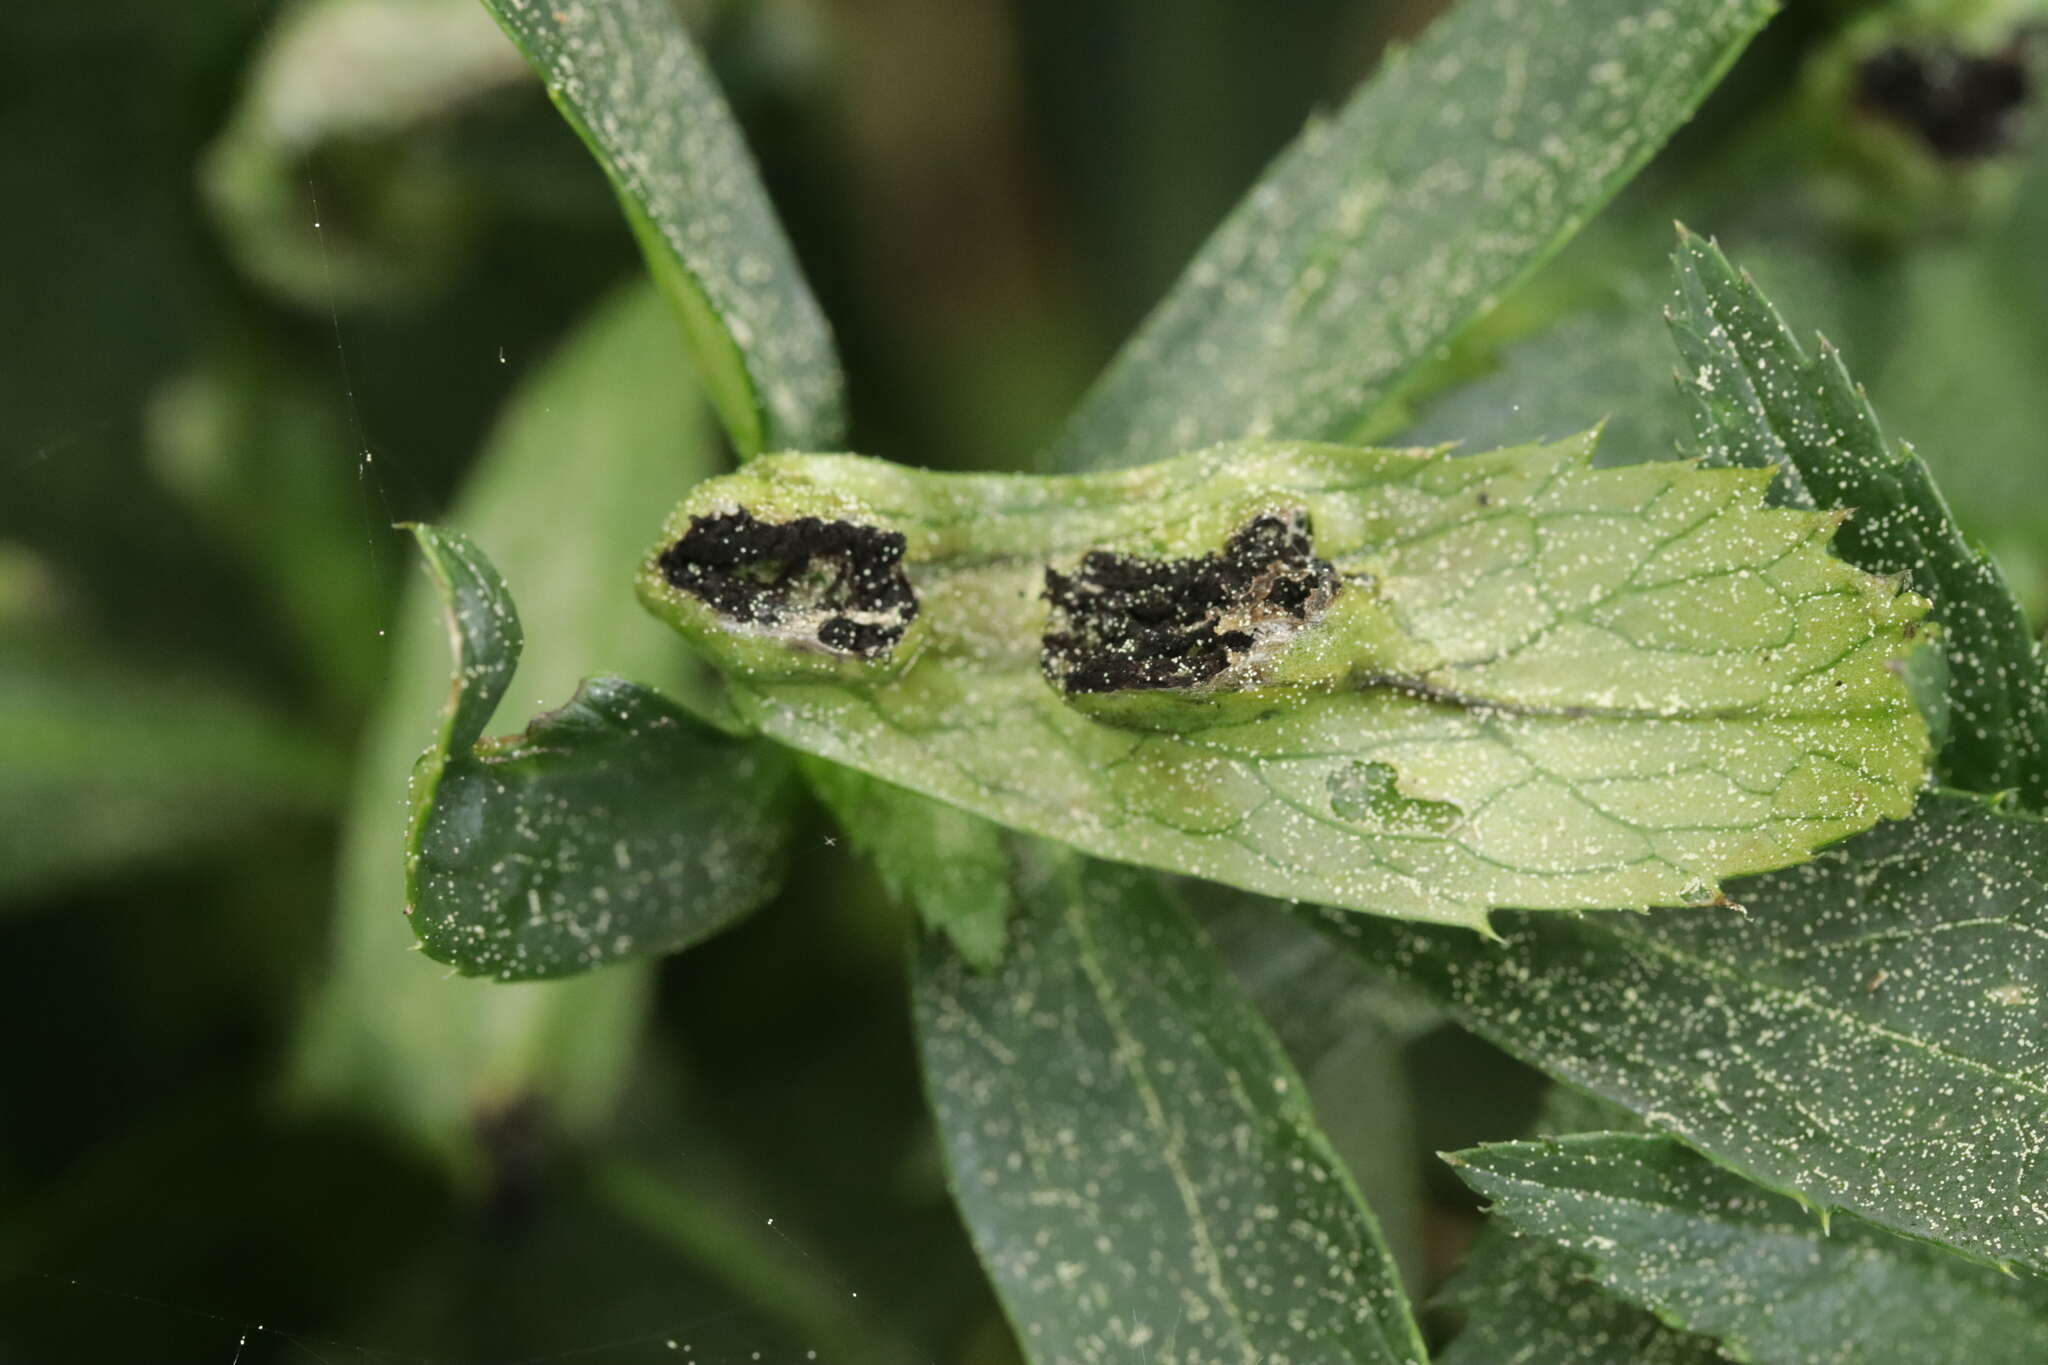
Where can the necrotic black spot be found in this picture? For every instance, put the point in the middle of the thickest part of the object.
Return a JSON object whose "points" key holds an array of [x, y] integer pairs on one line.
{"points": [[840, 582], [1124, 622], [1960, 104]]}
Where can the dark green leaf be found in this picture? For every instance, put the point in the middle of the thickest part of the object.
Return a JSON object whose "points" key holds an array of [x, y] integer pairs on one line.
{"points": [[1134, 1156], [627, 76], [1343, 1030], [1526, 1301], [615, 827], [1759, 401], [1872, 1034], [1382, 233], [1666, 1228], [1529, 1302]]}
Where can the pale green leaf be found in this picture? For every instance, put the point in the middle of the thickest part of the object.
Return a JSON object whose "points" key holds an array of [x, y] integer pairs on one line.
{"points": [[1131, 1151], [351, 90], [1383, 232], [591, 442], [629, 79], [1701, 1247], [1872, 1034], [1500, 680], [1759, 401], [616, 826]]}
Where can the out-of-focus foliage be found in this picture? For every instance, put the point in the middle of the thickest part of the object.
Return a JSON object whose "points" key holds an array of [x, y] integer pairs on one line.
{"points": [[283, 274]]}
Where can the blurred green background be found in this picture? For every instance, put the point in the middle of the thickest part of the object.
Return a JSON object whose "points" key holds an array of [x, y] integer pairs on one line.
{"points": [[277, 276]]}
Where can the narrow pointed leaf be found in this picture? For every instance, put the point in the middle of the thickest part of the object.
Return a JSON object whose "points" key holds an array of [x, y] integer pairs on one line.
{"points": [[1870, 1035], [1387, 680], [1380, 234], [628, 78], [614, 827], [1759, 400], [1666, 1228], [1133, 1155], [1530, 1302]]}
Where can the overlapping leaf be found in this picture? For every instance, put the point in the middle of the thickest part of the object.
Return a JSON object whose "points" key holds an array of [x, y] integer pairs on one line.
{"points": [[1132, 1152], [1532, 683], [561, 493], [614, 827], [1870, 1034], [1530, 1302], [1668, 1229], [1760, 401], [1380, 234], [628, 78]]}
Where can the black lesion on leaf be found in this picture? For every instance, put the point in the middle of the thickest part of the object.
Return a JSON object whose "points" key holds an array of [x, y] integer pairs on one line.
{"points": [[1124, 622], [836, 583], [1962, 105]]}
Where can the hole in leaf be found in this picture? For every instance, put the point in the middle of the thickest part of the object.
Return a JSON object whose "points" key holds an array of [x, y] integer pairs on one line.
{"points": [[1366, 792]]}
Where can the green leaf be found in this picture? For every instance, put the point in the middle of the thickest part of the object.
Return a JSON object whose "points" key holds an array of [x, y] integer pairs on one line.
{"points": [[628, 78], [350, 91], [1869, 1035], [1382, 233], [1343, 1030], [594, 439], [952, 867], [1759, 401], [616, 826], [1133, 1155], [1702, 1247], [109, 760], [1433, 685], [1529, 1302]]}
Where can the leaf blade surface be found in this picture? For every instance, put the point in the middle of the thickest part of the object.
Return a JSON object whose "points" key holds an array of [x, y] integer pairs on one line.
{"points": [[1666, 1228], [1377, 236], [1869, 1035], [630, 81], [1131, 1150], [1503, 679]]}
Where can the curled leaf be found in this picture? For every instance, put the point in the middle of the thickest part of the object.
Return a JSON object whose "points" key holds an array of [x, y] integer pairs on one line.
{"points": [[615, 826]]}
